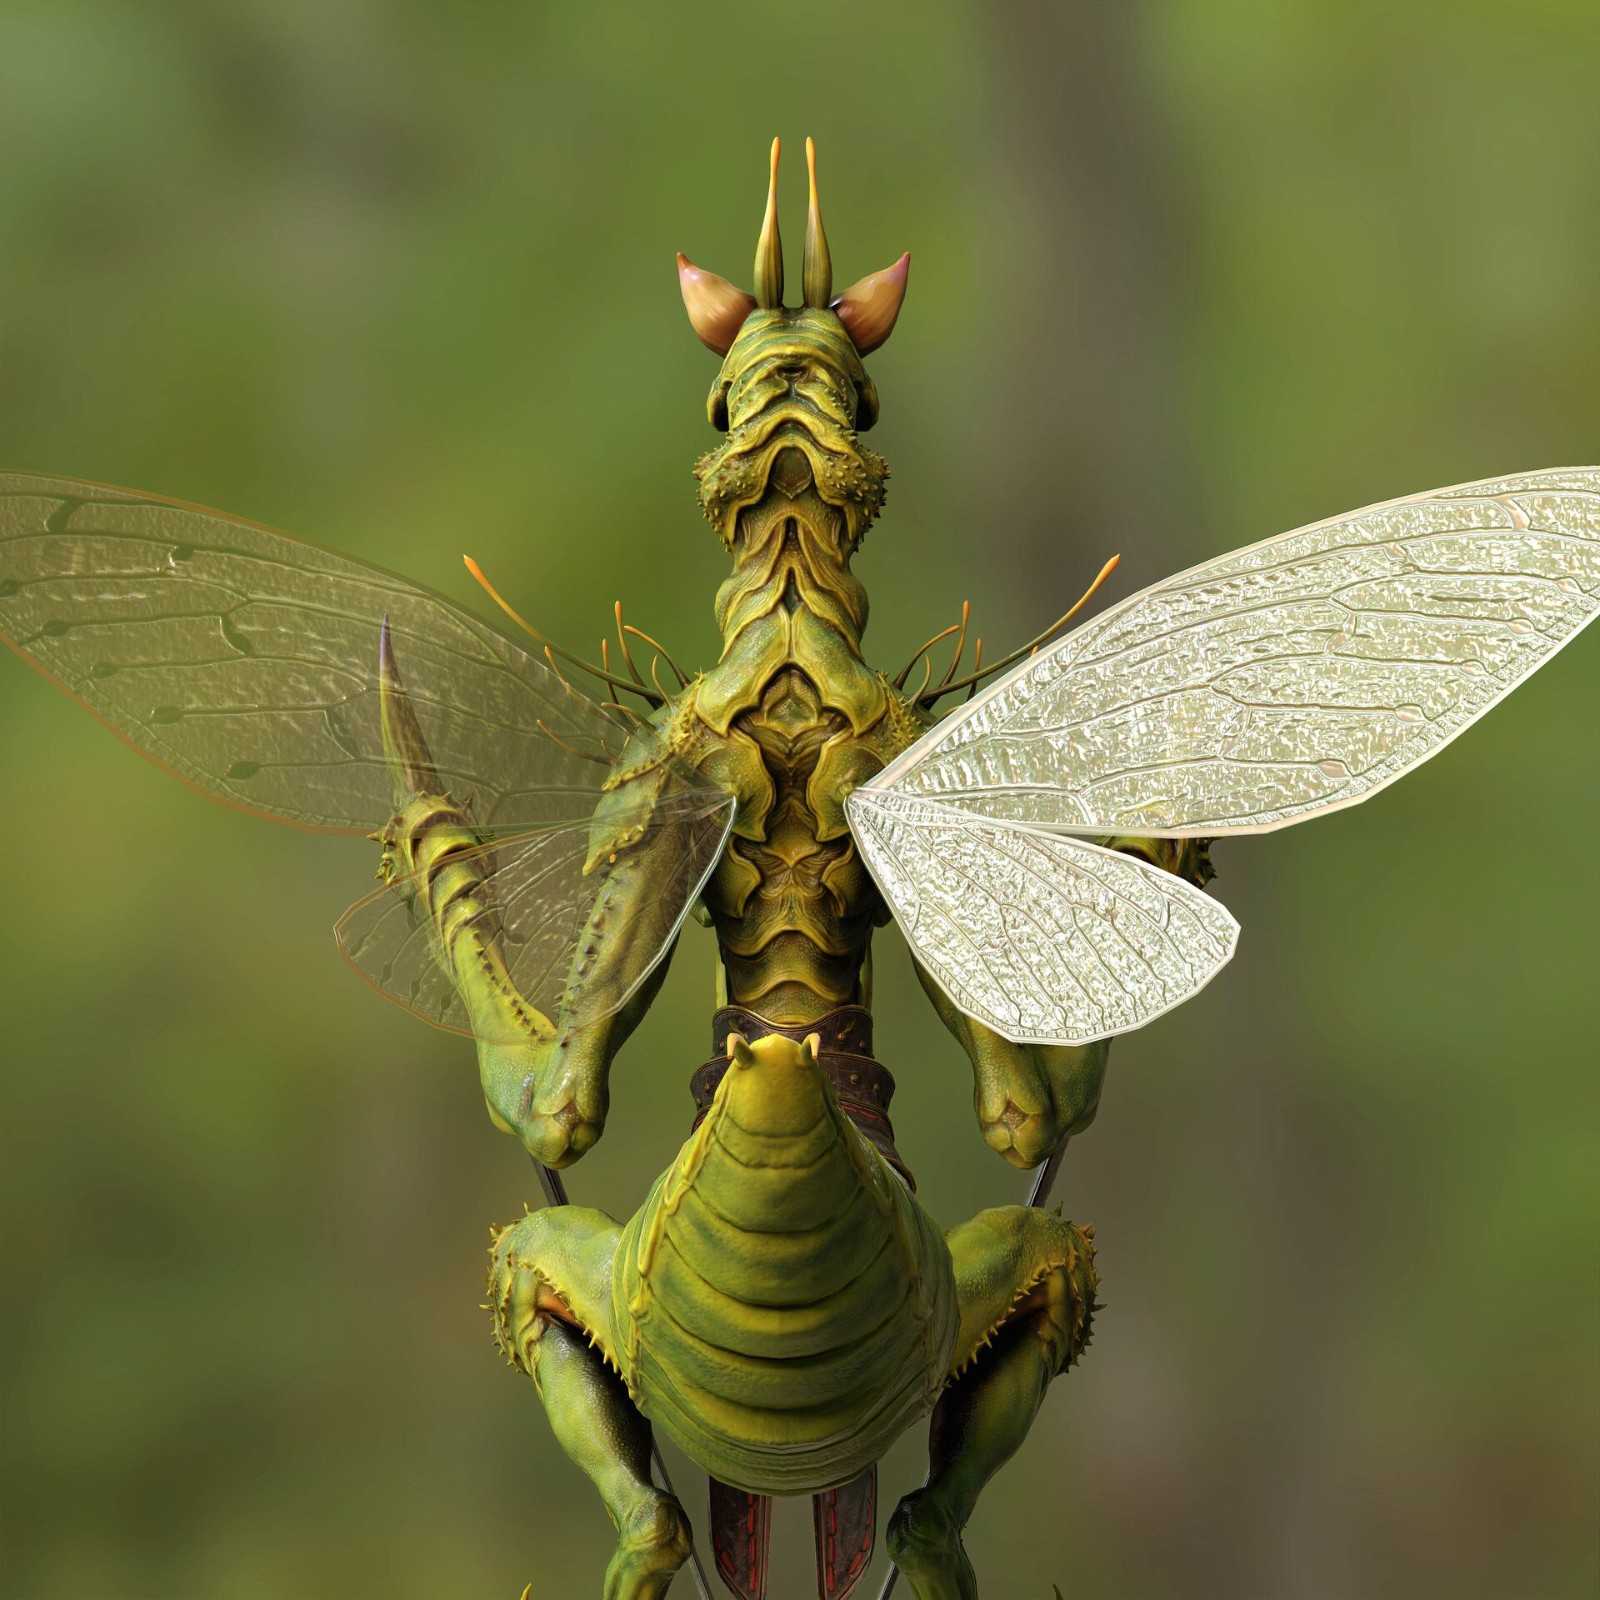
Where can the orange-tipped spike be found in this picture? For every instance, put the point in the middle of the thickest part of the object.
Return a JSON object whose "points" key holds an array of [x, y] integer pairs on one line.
{"points": [[1094, 588], [495, 595], [816, 273], [716, 309], [769, 248], [1032, 647], [868, 309]]}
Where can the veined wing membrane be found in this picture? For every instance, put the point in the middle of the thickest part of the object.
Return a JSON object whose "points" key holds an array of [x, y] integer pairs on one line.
{"points": [[1045, 938], [245, 661], [529, 897], [1294, 677]]}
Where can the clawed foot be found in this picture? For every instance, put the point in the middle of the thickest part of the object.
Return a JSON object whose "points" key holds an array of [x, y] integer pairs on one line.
{"points": [[557, 1112], [926, 1546], [1024, 1138], [653, 1542], [557, 1138]]}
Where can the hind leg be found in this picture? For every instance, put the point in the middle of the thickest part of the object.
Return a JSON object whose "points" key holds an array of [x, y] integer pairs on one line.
{"points": [[550, 1291], [1026, 1284]]}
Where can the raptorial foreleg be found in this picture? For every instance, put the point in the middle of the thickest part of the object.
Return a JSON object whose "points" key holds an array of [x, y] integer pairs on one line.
{"points": [[550, 1291], [1026, 1283], [1028, 1097], [545, 1079]]}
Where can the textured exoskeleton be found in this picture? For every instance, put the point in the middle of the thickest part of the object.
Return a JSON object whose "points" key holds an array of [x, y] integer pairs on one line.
{"points": [[783, 1308], [781, 1305]]}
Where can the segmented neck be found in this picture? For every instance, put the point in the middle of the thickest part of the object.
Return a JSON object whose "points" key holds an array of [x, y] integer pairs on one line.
{"points": [[792, 492]]}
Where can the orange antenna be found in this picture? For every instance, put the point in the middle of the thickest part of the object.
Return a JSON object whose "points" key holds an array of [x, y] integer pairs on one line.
{"points": [[552, 650], [1028, 649], [500, 600]]}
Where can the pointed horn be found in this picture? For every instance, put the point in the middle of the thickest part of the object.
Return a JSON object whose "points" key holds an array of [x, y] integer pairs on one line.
{"points": [[868, 309], [816, 275], [739, 1053], [769, 249], [405, 750], [716, 309]]}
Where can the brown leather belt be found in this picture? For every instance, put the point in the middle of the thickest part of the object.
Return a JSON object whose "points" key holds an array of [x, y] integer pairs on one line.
{"points": [[864, 1086]]}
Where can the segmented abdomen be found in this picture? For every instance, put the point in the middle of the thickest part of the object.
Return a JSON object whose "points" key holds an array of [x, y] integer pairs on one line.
{"points": [[783, 1319]]}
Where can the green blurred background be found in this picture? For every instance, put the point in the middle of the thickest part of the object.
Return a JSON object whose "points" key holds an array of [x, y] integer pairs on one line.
{"points": [[399, 277]]}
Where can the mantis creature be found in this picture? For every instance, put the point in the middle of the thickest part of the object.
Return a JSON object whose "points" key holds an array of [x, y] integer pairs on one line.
{"points": [[781, 1305]]}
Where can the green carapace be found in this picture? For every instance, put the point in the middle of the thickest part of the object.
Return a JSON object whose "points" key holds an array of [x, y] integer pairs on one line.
{"points": [[781, 1306]]}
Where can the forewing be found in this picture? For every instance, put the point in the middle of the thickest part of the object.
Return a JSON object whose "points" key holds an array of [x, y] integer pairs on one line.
{"points": [[1294, 677], [245, 662], [1045, 938], [536, 901]]}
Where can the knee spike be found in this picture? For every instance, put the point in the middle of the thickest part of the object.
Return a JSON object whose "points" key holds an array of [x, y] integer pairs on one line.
{"points": [[410, 762]]}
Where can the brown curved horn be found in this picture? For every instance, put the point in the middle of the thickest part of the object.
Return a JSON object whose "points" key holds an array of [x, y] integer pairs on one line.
{"points": [[868, 309], [716, 309], [816, 276], [769, 248]]}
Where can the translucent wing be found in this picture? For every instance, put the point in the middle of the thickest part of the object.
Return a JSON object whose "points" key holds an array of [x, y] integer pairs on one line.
{"points": [[538, 903], [244, 661], [1294, 677], [1045, 938]]}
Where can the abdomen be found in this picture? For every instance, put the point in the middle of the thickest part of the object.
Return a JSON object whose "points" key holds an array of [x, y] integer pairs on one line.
{"points": [[785, 1351]]}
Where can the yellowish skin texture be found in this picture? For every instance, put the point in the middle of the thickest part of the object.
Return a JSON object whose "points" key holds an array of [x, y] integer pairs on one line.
{"points": [[781, 1305], [789, 719], [783, 1308]]}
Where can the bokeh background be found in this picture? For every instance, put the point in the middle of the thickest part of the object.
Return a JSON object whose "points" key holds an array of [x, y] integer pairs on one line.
{"points": [[399, 277]]}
